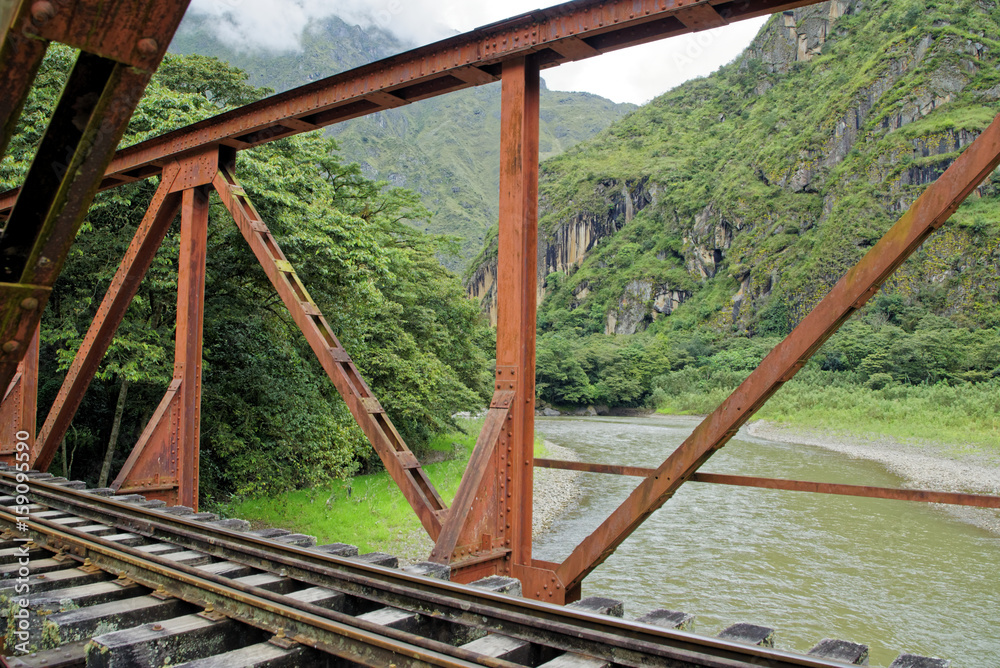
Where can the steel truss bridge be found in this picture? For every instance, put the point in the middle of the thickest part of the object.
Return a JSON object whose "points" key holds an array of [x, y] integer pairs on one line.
{"points": [[487, 528]]}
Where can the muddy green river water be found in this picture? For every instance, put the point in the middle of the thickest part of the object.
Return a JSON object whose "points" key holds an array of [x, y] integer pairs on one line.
{"points": [[895, 575]]}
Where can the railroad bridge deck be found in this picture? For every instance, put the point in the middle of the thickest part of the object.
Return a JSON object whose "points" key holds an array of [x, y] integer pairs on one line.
{"points": [[124, 581]]}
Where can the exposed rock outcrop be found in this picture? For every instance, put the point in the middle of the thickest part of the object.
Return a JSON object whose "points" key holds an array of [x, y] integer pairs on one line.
{"points": [[568, 242], [943, 84], [666, 300], [631, 310], [641, 303], [710, 237], [799, 37], [482, 286]]}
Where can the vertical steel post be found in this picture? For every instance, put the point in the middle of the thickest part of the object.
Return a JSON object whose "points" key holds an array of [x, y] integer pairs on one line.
{"points": [[18, 407], [516, 297], [488, 528], [164, 463], [190, 321]]}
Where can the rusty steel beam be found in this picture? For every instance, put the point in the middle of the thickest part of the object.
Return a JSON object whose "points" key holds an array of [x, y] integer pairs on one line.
{"points": [[588, 467], [18, 406], [164, 463], [488, 529], [516, 306], [20, 57], [861, 282], [461, 512], [506, 514], [921, 495], [124, 286], [399, 461], [121, 45], [559, 34]]}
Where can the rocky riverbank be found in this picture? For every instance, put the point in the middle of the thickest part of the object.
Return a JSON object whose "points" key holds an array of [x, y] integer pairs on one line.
{"points": [[555, 489], [924, 465]]}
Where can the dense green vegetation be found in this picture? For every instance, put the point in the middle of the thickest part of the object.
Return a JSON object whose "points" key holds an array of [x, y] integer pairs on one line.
{"points": [[963, 417], [891, 345], [271, 419], [447, 149]]}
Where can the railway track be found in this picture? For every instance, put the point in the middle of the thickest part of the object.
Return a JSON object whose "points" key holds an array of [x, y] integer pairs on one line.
{"points": [[92, 579]]}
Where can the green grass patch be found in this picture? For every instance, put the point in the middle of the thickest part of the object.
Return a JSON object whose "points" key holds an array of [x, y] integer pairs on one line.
{"points": [[368, 510], [540, 449], [965, 417]]}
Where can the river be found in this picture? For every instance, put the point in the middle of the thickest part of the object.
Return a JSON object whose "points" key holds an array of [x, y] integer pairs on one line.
{"points": [[898, 576]]}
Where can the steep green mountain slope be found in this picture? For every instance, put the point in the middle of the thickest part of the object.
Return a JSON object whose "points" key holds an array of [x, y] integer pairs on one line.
{"points": [[730, 205], [446, 149]]}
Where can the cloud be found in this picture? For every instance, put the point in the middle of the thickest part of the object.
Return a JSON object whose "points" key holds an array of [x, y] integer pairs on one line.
{"points": [[277, 26], [640, 73], [631, 75]]}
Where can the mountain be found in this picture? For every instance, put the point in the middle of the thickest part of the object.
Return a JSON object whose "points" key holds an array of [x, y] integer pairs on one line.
{"points": [[733, 203], [446, 148]]}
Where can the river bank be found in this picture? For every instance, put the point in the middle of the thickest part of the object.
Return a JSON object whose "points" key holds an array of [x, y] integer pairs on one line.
{"points": [[555, 490], [369, 511], [924, 465]]}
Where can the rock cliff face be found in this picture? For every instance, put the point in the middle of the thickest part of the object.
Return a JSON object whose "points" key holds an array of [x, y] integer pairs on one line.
{"points": [[566, 245], [797, 36], [641, 304], [709, 239], [568, 242], [761, 185], [482, 286]]}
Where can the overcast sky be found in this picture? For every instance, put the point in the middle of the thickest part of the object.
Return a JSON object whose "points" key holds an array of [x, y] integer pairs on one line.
{"points": [[634, 75]]}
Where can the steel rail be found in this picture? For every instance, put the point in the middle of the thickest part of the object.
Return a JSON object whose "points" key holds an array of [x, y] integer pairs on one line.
{"points": [[895, 494], [333, 632], [621, 642], [563, 33]]}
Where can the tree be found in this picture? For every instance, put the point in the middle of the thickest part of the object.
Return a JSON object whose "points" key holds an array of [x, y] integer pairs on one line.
{"points": [[559, 376]]}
